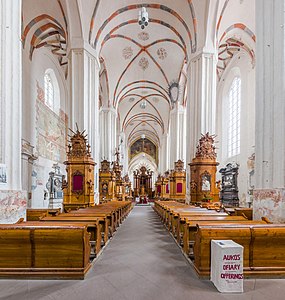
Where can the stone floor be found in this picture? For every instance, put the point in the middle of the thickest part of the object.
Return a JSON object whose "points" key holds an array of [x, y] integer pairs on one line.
{"points": [[142, 261]]}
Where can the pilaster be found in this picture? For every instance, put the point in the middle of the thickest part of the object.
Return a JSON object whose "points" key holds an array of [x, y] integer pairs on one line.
{"points": [[269, 193]]}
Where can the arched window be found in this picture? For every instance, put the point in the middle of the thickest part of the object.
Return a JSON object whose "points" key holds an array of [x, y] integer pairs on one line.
{"points": [[49, 91], [234, 117], [52, 91]]}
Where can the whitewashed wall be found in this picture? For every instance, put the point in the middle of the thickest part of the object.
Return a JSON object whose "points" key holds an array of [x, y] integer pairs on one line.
{"points": [[33, 86], [240, 66]]}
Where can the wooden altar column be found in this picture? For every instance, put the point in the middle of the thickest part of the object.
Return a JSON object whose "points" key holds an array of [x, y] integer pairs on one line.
{"points": [[165, 187]]}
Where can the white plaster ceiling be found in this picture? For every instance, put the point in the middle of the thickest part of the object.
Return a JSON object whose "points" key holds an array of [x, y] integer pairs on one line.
{"points": [[138, 65], [142, 64]]}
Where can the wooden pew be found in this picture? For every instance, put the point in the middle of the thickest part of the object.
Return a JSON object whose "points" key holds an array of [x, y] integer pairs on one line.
{"points": [[104, 221], [191, 227], [93, 227], [35, 214], [43, 251], [110, 214], [264, 247], [179, 218], [244, 211]]}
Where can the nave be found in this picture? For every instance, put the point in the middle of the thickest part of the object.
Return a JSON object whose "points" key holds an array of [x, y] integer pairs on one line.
{"points": [[141, 261]]}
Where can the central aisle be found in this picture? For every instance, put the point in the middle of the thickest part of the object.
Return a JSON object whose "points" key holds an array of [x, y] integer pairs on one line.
{"points": [[142, 261]]}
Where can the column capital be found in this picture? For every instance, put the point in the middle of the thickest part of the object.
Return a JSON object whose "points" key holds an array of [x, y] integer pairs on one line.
{"points": [[208, 53], [80, 44]]}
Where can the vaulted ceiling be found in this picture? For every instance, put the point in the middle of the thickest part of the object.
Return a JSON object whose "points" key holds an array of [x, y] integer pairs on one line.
{"points": [[140, 66], [141, 70]]}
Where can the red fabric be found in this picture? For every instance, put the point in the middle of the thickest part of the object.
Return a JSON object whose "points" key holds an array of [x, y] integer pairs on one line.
{"points": [[159, 188], [167, 189], [179, 187], [77, 183]]}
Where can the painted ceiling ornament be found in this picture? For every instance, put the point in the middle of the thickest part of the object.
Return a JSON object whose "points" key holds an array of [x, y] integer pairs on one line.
{"points": [[127, 52], [143, 63], [206, 148], [174, 91], [162, 53], [143, 36]]}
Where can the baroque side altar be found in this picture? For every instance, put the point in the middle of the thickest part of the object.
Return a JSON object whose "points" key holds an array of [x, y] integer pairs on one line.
{"points": [[78, 189]]}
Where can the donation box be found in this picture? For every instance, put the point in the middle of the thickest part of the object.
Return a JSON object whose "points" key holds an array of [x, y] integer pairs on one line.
{"points": [[227, 266]]}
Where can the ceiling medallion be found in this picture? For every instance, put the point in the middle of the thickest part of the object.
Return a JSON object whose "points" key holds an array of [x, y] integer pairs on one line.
{"points": [[127, 52], [144, 36], [143, 63], [132, 99], [161, 52]]}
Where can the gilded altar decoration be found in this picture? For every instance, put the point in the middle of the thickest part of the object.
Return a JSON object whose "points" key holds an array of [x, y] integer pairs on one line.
{"points": [[78, 189], [203, 168], [179, 166], [177, 182], [107, 182], [206, 148], [143, 182]]}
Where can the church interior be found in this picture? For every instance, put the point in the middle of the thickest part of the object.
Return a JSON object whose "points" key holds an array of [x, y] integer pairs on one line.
{"points": [[133, 135]]}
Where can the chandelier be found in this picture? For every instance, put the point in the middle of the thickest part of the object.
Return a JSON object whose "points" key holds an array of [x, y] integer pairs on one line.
{"points": [[143, 18], [143, 104]]}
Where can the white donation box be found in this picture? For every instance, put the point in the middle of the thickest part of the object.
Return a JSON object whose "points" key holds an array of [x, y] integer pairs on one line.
{"points": [[227, 266]]}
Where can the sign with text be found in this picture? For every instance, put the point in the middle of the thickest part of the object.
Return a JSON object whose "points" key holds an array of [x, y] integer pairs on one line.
{"points": [[227, 266]]}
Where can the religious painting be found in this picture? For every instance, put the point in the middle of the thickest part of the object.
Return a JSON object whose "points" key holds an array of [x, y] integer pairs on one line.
{"points": [[105, 188], [143, 145], [206, 182]]}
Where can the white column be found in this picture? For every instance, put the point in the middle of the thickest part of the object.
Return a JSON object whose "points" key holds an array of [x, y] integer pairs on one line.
{"points": [[123, 152], [108, 121], [177, 134], [163, 157], [84, 95], [201, 106], [269, 194], [13, 200]]}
